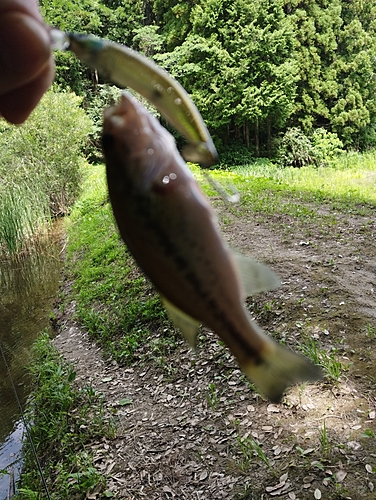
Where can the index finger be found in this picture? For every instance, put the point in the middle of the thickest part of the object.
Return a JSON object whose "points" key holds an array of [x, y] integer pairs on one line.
{"points": [[29, 7], [25, 49]]}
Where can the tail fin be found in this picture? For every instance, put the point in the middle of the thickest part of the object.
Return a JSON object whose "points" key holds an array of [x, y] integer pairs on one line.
{"points": [[278, 369]]}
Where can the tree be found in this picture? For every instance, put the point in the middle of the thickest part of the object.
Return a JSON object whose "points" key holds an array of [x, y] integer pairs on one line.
{"points": [[117, 20], [236, 64], [262, 41], [174, 20], [354, 113], [253, 68], [316, 25], [335, 52]]}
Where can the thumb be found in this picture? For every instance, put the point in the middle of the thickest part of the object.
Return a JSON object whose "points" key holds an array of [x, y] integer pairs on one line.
{"points": [[24, 50]]}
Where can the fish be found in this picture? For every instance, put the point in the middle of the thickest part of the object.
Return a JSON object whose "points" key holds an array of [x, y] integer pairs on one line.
{"points": [[128, 68], [172, 232]]}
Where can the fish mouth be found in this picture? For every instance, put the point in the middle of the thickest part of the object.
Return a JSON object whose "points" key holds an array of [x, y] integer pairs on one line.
{"points": [[125, 117]]}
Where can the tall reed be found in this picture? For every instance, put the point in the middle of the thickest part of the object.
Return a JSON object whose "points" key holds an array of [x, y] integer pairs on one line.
{"points": [[24, 211], [41, 169]]}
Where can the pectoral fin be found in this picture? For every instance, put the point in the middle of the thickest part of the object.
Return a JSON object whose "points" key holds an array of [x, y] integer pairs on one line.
{"points": [[187, 325], [255, 277]]}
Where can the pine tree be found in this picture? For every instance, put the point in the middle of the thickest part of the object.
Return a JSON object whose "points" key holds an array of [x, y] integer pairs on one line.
{"points": [[316, 25]]}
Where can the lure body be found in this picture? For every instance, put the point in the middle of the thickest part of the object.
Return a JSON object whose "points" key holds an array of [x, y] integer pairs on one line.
{"points": [[127, 68], [170, 228]]}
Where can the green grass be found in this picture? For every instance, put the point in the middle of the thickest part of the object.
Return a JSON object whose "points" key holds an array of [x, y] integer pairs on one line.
{"points": [[213, 396], [24, 213], [115, 302], [325, 443], [348, 182], [328, 360], [62, 420], [249, 449]]}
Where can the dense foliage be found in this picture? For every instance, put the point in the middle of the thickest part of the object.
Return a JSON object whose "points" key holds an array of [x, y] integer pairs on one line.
{"points": [[41, 166], [47, 150], [255, 69]]}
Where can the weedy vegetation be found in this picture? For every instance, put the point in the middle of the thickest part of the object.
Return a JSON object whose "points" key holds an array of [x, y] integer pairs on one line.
{"points": [[249, 448], [328, 360], [41, 168], [213, 396], [325, 441], [24, 213], [62, 420], [370, 331]]}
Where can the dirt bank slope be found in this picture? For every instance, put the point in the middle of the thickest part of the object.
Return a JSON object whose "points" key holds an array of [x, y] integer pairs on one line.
{"points": [[194, 428]]}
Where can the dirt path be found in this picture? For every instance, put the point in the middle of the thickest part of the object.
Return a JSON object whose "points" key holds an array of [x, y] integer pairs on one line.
{"points": [[194, 428]]}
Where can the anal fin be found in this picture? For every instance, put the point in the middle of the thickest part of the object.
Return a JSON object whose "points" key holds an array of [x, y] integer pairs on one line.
{"points": [[186, 324]]}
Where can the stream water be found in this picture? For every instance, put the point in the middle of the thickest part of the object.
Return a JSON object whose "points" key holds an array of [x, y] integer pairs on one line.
{"points": [[27, 291]]}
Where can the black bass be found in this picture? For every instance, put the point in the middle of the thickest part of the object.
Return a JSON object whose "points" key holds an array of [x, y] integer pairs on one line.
{"points": [[170, 228], [127, 68]]}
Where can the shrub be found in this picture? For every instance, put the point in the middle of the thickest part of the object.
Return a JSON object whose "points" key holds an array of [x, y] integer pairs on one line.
{"points": [[326, 146], [47, 150], [234, 154], [41, 164], [295, 149]]}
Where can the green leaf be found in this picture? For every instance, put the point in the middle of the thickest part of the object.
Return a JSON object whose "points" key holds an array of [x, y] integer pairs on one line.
{"points": [[125, 402]]}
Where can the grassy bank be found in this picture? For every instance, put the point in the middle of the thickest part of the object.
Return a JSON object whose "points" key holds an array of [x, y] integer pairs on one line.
{"points": [[63, 419], [112, 297]]}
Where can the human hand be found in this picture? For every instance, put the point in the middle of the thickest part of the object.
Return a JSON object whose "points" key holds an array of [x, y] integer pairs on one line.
{"points": [[26, 62]]}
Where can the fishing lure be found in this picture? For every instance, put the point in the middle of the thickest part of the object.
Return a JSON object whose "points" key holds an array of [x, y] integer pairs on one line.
{"points": [[127, 68]]}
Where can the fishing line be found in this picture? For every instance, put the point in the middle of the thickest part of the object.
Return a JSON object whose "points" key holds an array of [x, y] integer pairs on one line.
{"points": [[232, 197], [26, 425]]}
